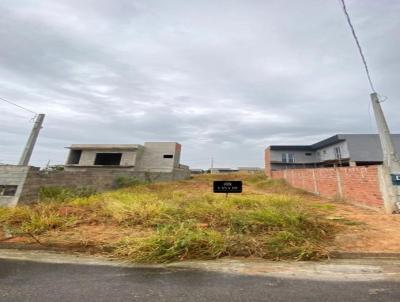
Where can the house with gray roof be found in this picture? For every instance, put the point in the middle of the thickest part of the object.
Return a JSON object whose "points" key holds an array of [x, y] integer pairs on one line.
{"points": [[337, 150]]}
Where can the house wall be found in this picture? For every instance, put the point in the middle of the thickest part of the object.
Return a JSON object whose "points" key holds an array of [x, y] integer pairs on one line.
{"points": [[359, 185], [88, 156], [273, 160], [152, 158], [328, 153], [300, 156]]}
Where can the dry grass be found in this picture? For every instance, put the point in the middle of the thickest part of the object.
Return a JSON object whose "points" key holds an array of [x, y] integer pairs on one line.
{"points": [[184, 220]]}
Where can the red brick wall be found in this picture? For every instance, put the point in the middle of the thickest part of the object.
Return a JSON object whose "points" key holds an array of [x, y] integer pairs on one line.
{"points": [[267, 155], [356, 184]]}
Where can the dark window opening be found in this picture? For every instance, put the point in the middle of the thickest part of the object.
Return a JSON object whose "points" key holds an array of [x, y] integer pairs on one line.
{"points": [[288, 158], [168, 156], [108, 159], [338, 153], [74, 157], [308, 154], [8, 190]]}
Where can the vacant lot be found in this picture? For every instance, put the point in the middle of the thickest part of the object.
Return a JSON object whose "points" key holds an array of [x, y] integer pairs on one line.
{"points": [[165, 222]]}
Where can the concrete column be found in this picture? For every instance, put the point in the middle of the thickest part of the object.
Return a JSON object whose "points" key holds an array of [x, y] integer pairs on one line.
{"points": [[339, 183], [26, 154], [315, 182], [391, 161]]}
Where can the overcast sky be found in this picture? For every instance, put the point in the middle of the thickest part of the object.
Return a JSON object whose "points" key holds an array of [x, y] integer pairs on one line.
{"points": [[223, 78]]}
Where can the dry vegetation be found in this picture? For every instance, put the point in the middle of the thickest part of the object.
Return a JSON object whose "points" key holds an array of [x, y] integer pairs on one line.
{"points": [[164, 222]]}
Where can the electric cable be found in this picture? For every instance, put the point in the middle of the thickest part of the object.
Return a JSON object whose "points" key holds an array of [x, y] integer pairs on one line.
{"points": [[19, 106], [358, 44]]}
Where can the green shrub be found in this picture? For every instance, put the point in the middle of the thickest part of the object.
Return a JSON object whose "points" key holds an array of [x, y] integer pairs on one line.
{"points": [[61, 194], [126, 181]]}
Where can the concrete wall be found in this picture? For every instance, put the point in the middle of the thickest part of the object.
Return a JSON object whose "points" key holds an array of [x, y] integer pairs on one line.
{"points": [[152, 158], [12, 175], [149, 157], [31, 179], [359, 185], [88, 157]]}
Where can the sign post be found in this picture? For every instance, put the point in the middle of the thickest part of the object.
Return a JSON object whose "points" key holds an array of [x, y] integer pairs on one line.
{"points": [[227, 186]]}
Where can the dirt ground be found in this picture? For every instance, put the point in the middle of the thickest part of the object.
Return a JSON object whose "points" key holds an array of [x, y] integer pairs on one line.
{"points": [[372, 231], [364, 230], [361, 230]]}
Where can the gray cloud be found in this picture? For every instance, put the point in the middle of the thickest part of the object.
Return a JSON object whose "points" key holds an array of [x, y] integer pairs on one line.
{"points": [[226, 78]]}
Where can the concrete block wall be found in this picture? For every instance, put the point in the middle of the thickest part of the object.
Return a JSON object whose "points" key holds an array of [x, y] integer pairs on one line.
{"points": [[361, 185], [30, 180], [12, 175], [98, 179]]}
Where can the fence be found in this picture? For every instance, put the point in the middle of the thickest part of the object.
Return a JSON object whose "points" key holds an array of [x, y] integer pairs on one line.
{"points": [[361, 185]]}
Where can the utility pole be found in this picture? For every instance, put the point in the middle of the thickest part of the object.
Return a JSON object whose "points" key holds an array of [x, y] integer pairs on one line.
{"points": [[390, 157], [26, 154]]}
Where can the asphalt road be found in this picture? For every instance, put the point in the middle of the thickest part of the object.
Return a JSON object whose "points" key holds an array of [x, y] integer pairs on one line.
{"points": [[45, 282]]}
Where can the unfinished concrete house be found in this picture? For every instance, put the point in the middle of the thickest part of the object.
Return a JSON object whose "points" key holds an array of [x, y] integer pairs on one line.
{"points": [[95, 166], [151, 157]]}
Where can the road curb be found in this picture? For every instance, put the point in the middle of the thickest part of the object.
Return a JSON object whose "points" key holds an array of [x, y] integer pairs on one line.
{"points": [[364, 255], [332, 255], [38, 247]]}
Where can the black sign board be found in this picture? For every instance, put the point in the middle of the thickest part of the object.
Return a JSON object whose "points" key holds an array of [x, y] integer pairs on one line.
{"points": [[395, 179], [227, 186]]}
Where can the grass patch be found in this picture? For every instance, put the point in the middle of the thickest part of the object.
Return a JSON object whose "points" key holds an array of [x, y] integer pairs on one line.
{"points": [[324, 206], [262, 182], [25, 220], [184, 220], [62, 194], [173, 243], [126, 181]]}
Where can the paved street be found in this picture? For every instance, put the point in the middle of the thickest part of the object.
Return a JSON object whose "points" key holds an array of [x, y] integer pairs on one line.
{"points": [[25, 280]]}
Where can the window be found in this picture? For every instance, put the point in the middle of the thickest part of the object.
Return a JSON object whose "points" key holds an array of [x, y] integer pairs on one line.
{"points": [[108, 159], [168, 156], [288, 158], [338, 153], [308, 154], [74, 157], [8, 190]]}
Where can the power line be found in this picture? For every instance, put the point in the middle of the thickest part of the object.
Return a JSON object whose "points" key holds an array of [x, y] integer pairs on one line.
{"points": [[12, 103], [358, 44]]}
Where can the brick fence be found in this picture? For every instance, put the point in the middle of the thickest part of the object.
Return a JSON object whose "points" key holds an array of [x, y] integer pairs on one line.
{"points": [[360, 185]]}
